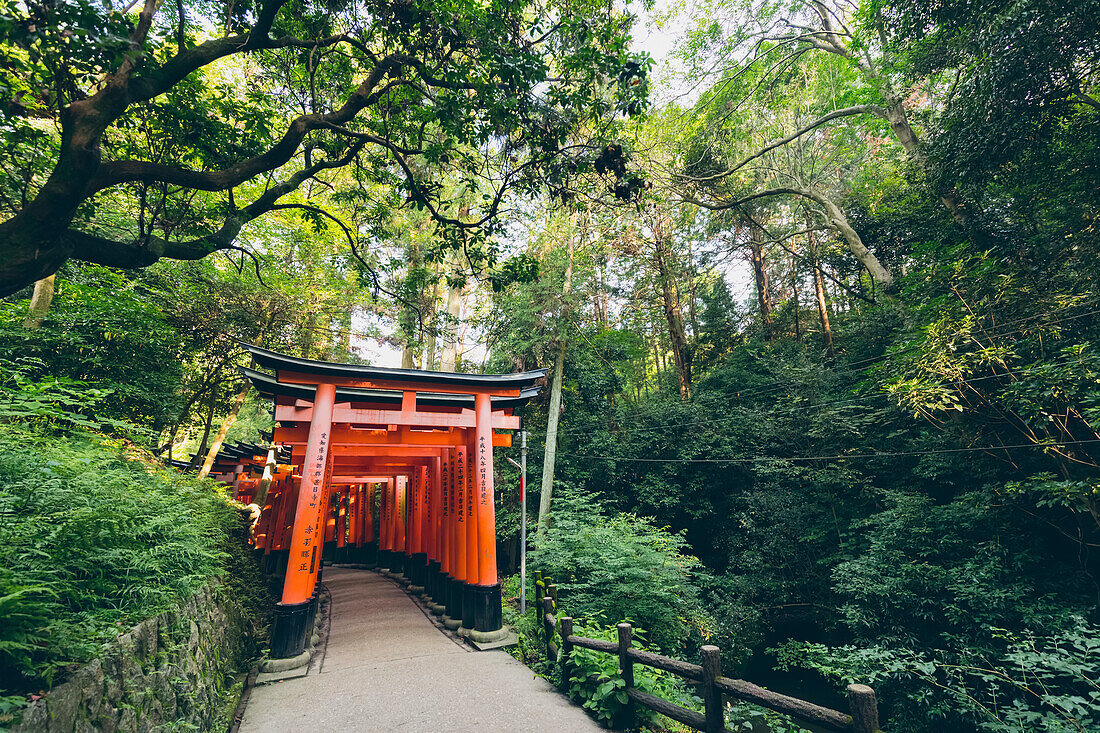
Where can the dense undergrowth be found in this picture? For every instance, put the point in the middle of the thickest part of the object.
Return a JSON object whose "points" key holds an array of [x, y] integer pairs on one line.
{"points": [[609, 567], [917, 511], [95, 537], [96, 534]]}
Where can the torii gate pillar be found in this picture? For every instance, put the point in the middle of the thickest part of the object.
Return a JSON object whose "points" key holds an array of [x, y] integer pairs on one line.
{"points": [[488, 623], [293, 614]]}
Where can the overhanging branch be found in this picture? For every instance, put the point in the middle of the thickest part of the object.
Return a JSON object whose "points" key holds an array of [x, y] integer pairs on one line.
{"points": [[142, 253], [174, 70], [367, 93], [835, 114]]}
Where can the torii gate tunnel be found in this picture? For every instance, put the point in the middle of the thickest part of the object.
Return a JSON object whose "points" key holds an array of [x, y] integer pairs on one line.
{"points": [[424, 440]]}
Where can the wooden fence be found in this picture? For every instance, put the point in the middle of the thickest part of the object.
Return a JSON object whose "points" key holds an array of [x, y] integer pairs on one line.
{"points": [[863, 706]]}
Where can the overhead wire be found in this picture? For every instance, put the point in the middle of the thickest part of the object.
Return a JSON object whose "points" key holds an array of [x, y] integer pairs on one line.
{"points": [[776, 386], [840, 456]]}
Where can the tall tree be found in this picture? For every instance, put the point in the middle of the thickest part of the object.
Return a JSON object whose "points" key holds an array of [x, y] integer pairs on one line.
{"points": [[553, 416], [670, 300], [784, 35]]}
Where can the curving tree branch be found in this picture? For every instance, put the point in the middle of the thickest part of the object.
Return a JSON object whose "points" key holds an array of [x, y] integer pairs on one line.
{"points": [[834, 215], [142, 253], [835, 114], [113, 173]]}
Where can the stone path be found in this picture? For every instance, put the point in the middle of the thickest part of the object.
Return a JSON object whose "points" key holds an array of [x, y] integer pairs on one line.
{"points": [[388, 668]]}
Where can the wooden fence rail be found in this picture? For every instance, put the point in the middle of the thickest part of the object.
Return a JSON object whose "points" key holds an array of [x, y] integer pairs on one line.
{"points": [[862, 704]]}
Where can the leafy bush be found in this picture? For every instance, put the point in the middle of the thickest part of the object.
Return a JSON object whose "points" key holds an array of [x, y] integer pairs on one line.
{"points": [[1033, 683], [594, 681], [926, 573], [94, 539], [962, 620], [620, 567], [52, 402], [102, 329]]}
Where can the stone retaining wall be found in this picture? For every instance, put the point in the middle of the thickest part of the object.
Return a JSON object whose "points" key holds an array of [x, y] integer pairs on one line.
{"points": [[178, 670]]}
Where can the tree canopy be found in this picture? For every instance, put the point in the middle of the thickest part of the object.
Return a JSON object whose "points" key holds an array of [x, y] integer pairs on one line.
{"points": [[153, 131]]}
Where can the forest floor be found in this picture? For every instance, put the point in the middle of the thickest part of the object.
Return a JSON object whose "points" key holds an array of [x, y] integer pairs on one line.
{"points": [[387, 667]]}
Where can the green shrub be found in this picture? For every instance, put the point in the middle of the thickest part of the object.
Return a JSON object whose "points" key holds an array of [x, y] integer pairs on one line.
{"points": [[594, 681], [1033, 683], [960, 618], [94, 539], [620, 567], [53, 403], [105, 330]]}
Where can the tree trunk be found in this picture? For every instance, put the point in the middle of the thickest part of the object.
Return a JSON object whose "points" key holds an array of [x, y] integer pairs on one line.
{"points": [[822, 309], [450, 331], [226, 424], [428, 362], [693, 315], [209, 422], [760, 276], [40, 303], [656, 353], [819, 292], [673, 316], [265, 480], [794, 298], [839, 221], [549, 457]]}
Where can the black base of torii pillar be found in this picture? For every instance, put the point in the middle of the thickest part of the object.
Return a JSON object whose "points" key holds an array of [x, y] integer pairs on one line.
{"points": [[418, 571], [488, 621]]}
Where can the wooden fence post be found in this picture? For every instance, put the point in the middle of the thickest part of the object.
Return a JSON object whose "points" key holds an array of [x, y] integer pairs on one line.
{"points": [[538, 591], [712, 696], [548, 608], [566, 629], [626, 665], [863, 706]]}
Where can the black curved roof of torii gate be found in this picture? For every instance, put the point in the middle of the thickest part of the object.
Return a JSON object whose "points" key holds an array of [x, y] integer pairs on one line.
{"points": [[267, 386], [275, 361]]}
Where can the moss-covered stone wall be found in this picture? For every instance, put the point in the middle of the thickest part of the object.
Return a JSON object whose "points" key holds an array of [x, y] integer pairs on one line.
{"points": [[179, 670]]}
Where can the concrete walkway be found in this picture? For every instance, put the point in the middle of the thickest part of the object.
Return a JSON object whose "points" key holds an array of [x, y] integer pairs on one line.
{"points": [[388, 668]]}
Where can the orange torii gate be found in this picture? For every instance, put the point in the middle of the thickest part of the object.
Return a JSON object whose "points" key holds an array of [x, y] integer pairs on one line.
{"points": [[425, 440]]}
